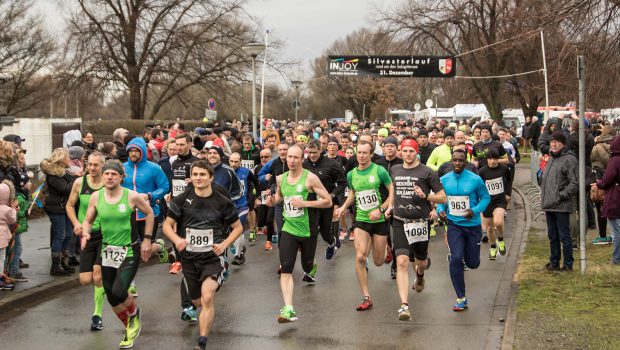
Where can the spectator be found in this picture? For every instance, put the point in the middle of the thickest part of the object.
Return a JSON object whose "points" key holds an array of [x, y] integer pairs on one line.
{"points": [[22, 196], [108, 149], [59, 183], [558, 190], [76, 157], [89, 143], [534, 132], [600, 157], [119, 137], [8, 217], [611, 203]]}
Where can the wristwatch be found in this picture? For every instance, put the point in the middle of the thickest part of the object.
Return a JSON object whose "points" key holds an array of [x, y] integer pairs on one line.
{"points": [[382, 209], [148, 237]]}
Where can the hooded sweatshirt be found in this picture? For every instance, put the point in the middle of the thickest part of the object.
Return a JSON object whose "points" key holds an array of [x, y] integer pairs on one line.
{"points": [[8, 215], [145, 177], [544, 140]]}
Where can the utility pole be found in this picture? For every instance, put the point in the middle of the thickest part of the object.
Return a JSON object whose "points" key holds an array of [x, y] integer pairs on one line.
{"points": [[581, 73]]}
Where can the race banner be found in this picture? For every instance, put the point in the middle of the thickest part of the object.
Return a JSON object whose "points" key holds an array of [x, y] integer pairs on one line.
{"points": [[392, 66]]}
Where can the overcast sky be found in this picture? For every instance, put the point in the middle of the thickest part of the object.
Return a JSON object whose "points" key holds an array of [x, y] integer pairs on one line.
{"points": [[307, 27]]}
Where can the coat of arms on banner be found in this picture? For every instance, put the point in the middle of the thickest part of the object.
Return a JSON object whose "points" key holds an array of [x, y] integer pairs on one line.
{"points": [[445, 65]]}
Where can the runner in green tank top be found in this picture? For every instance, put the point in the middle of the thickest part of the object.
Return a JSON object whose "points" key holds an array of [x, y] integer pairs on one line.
{"points": [[370, 226], [119, 252], [90, 258], [298, 189]]}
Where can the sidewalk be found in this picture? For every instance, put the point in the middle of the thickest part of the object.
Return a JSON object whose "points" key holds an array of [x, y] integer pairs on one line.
{"points": [[40, 283]]}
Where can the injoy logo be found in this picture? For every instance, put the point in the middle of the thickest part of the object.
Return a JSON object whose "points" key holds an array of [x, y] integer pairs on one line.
{"points": [[342, 64]]}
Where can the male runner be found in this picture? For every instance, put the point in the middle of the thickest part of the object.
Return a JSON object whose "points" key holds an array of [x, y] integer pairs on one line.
{"points": [[114, 206], [264, 214], [332, 152], [370, 226], [201, 217], [248, 183], [295, 188], [267, 176], [90, 260], [412, 209], [331, 175], [467, 197], [498, 181]]}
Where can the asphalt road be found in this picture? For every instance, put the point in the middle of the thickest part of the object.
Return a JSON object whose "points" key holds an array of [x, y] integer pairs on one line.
{"points": [[248, 304]]}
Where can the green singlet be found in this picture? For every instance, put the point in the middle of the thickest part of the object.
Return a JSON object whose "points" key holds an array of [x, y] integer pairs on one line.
{"points": [[296, 220], [115, 221], [366, 184], [85, 192]]}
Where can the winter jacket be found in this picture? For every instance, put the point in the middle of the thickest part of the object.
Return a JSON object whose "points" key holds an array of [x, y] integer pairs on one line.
{"points": [[601, 153], [59, 184], [572, 142], [425, 152], [252, 155], [22, 213], [8, 215], [9, 171], [560, 182], [145, 177], [545, 137], [225, 176], [331, 175], [611, 182], [274, 167]]}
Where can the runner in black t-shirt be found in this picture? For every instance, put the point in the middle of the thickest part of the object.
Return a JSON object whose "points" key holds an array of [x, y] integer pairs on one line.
{"points": [[498, 181], [202, 217], [415, 187], [486, 143]]}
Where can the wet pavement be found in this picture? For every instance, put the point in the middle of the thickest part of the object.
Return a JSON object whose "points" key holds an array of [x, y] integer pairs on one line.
{"points": [[248, 304]]}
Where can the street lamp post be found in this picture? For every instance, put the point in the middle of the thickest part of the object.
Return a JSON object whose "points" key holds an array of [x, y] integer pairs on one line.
{"points": [[296, 85], [253, 49]]}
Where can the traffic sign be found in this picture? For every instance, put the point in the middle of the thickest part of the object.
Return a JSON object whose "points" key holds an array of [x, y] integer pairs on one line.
{"points": [[211, 114], [211, 104], [296, 104]]}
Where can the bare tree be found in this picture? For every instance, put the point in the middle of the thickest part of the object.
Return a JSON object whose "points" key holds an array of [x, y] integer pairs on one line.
{"points": [[156, 50], [25, 48]]}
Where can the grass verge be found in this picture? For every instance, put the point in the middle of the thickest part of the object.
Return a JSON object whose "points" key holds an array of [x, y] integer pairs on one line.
{"points": [[566, 310]]}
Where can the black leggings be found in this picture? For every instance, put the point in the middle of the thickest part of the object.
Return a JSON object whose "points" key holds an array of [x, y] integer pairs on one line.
{"points": [[117, 281], [289, 244], [602, 222], [264, 217], [323, 220]]}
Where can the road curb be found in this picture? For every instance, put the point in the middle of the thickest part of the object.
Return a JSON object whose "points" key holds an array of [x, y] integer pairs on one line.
{"points": [[46, 291], [511, 318]]}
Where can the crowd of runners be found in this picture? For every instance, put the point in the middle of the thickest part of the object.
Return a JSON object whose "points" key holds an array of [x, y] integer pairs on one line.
{"points": [[388, 187]]}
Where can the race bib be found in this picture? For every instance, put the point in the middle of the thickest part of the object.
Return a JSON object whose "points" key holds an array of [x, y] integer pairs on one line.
{"points": [[248, 164], [178, 187], [292, 211], [199, 241], [416, 231], [458, 205], [113, 256], [367, 200], [495, 186], [263, 197]]}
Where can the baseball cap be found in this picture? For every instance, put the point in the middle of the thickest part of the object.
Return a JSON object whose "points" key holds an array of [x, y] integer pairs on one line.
{"points": [[14, 138]]}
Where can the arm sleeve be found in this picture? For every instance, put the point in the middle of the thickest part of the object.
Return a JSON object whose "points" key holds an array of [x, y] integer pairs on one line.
{"points": [[610, 175], [266, 169], [253, 184], [163, 185], [60, 184], [341, 182], [384, 176], [440, 207], [175, 210]]}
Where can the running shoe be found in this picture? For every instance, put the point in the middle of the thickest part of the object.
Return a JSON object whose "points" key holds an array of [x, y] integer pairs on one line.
{"points": [[96, 323], [330, 251], [310, 277], [485, 239], [433, 232], [392, 272], [268, 245], [389, 256], [134, 326], [239, 259], [287, 314], [403, 313], [162, 253], [493, 254], [133, 291], [365, 305], [338, 242], [279, 270], [18, 277], [175, 268], [189, 315], [252, 237], [460, 305], [126, 343], [6, 286], [274, 238], [343, 235], [352, 236], [601, 241], [233, 249], [202, 343], [501, 246], [465, 267]]}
